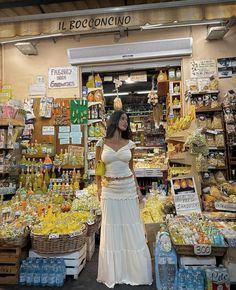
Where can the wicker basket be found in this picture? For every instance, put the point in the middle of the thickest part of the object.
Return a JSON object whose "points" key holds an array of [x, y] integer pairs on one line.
{"points": [[92, 228], [188, 250], [19, 241], [45, 244]]}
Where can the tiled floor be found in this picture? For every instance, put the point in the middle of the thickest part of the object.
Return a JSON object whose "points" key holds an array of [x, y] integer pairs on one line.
{"points": [[86, 280]]}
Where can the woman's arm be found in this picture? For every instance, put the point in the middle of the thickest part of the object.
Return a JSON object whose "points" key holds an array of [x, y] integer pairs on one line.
{"points": [[98, 178], [131, 166]]}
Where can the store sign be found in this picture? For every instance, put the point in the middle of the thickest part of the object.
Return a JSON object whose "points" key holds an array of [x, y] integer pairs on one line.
{"points": [[62, 77], [94, 22], [48, 130], [204, 68], [202, 250], [185, 195]]}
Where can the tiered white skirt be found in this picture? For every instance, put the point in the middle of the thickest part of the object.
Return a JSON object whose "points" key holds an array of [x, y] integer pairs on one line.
{"points": [[123, 254]]}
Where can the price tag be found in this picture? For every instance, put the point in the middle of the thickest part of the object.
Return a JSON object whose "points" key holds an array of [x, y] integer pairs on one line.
{"points": [[53, 236], [225, 206], [74, 234], [202, 250]]}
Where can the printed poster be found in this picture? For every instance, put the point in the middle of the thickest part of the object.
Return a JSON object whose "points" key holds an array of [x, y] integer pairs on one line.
{"points": [[204, 68]]}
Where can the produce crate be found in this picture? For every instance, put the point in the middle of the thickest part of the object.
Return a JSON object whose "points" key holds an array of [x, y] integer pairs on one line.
{"points": [[90, 241], [75, 262], [10, 259], [188, 250]]}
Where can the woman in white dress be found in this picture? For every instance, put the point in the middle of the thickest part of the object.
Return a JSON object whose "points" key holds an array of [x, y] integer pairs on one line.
{"points": [[124, 257]]}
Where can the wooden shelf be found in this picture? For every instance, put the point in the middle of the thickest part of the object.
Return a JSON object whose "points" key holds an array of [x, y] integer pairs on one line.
{"points": [[13, 122], [71, 167], [216, 148], [206, 110], [37, 155], [217, 168], [204, 92]]}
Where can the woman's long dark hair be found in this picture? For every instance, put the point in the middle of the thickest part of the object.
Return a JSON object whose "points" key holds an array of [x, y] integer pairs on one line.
{"points": [[113, 124]]}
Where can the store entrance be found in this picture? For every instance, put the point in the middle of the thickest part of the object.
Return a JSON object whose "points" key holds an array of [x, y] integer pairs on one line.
{"points": [[145, 94]]}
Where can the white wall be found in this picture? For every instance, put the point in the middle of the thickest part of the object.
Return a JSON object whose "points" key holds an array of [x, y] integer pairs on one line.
{"points": [[20, 71]]}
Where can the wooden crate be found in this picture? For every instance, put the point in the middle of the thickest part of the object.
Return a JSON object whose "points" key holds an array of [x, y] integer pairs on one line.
{"points": [[10, 259], [75, 262], [90, 241]]}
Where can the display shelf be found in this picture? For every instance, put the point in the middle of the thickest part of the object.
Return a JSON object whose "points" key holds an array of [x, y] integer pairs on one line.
{"points": [[13, 122], [216, 148], [207, 110], [148, 147], [43, 155], [176, 107], [148, 172], [69, 166], [94, 104], [94, 89], [217, 168], [204, 92], [91, 121]]}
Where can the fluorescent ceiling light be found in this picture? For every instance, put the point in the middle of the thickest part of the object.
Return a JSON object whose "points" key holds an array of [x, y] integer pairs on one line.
{"points": [[129, 81], [179, 24], [26, 48], [115, 94], [143, 92]]}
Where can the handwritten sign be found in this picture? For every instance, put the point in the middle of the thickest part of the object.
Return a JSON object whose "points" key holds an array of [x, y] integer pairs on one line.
{"points": [[225, 206], [62, 77], [202, 250], [185, 195], [203, 68]]}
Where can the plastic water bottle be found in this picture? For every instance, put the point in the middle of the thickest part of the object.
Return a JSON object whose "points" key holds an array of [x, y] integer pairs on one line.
{"points": [[171, 273], [52, 273], [37, 273], [30, 273], [199, 280], [23, 272], [181, 279], [44, 273]]}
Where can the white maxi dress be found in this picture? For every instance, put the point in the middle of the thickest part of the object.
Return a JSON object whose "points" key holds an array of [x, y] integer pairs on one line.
{"points": [[124, 257]]}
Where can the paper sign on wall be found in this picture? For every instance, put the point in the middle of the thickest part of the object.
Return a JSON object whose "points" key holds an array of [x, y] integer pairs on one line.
{"points": [[185, 195], [48, 130], [204, 68], [62, 77]]}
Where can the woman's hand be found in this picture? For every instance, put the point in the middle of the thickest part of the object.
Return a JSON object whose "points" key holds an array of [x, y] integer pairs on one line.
{"points": [[139, 193]]}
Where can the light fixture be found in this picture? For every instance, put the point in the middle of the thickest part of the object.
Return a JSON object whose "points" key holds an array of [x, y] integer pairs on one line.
{"points": [[115, 94], [215, 33], [177, 24], [129, 80], [26, 48]]}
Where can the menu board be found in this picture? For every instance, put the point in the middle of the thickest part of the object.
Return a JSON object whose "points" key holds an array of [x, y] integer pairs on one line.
{"points": [[185, 195]]}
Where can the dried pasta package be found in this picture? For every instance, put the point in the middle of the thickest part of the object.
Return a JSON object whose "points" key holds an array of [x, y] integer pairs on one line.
{"points": [[214, 101], [207, 100], [219, 177], [200, 102], [216, 122], [212, 179], [219, 140], [228, 115], [202, 122], [213, 84], [192, 85], [230, 128], [210, 140], [208, 123], [220, 159], [212, 160], [201, 163], [203, 85]]}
